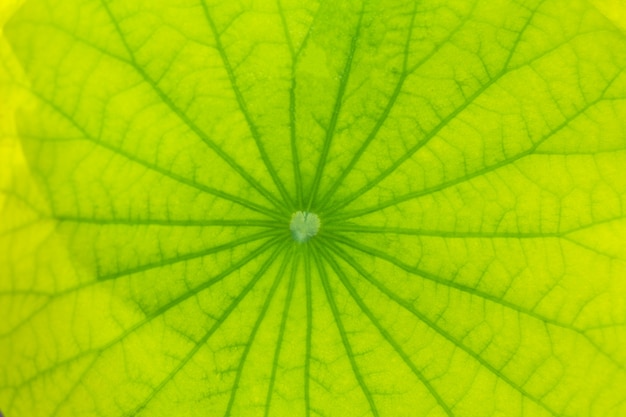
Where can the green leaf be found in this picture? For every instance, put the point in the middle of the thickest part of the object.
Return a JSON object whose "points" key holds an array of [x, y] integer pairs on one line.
{"points": [[302, 208]]}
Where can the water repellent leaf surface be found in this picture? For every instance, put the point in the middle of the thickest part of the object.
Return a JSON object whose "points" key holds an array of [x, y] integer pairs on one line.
{"points": [[303, 208]]}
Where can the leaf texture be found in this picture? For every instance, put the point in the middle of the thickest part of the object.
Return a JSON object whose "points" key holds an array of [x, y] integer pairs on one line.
{"points": [[466, 161]]}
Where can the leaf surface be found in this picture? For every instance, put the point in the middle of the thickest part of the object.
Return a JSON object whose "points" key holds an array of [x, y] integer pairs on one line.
{"points": [[465, 160]]}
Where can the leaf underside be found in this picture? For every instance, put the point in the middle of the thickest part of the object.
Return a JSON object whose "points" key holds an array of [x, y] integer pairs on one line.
{"points": [[466, 160]]}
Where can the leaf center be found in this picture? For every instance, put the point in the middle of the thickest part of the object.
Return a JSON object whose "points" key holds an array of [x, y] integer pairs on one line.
{"points": [[304, 225]]}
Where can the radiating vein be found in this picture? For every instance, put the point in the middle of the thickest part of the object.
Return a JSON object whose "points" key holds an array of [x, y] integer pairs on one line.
{"points": [[155, 168], [186, 120], [405, 73], [334, 118], [236, 223], [281, 332], [254, 131], [255, 329], [60, 294], [236, 266], [434, 131], [422, 274], [386, 335], [293, 137], [467, 177], [205, 338], [381, 119], [189, 256], [342, 332], [450, 338], [383, 230], [309, 330], [330, 250]]}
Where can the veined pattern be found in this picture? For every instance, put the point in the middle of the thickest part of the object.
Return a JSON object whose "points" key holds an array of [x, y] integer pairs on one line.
{"points": [[465, 162]]}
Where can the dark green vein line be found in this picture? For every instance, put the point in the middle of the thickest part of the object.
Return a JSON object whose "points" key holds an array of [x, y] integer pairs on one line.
{"points": [[451, 339], [422, 274], [170, 223], [309, 331], [358, 228], [406, 72], [330, 129], [153, 167], [243, 107], [185, 119], [459, 180], [386, 335], [293, 134], [275, 242], [189, 256], [281, 333], [58, 295], [168, 306], [433, 132], [205, 338], [419, 145], [342, 332], [381, 119], [295, 157], [255, 329]]}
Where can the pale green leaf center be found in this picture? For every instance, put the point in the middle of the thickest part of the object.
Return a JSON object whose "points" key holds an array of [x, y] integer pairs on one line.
{"points": [[304, 225]]}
